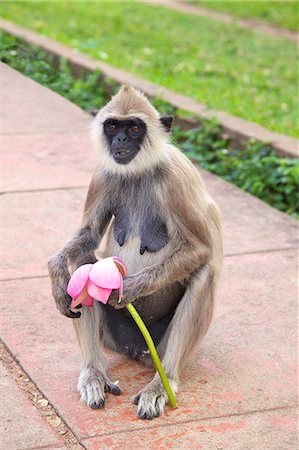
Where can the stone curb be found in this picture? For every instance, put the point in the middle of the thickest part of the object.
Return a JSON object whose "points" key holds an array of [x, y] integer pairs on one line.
{"points": [[238, 130], [249, 24]]}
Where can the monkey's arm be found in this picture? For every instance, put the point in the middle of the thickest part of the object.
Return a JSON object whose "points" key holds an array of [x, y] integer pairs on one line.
{"points": [[177, 266], [80, 250]]}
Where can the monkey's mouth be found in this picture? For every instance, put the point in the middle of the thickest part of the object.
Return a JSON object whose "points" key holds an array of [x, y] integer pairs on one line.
{"points": [[124, 156], [122, 153]]}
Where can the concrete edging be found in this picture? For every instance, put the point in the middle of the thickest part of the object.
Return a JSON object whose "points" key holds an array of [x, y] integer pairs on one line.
{"points": [[238, 130]]}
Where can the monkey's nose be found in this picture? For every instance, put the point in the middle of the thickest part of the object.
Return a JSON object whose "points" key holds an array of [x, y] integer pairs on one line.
{"points": [[121, 138]]}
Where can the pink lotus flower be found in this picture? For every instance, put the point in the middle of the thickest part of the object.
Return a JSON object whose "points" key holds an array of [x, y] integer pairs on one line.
{"points": [[96, 281]]}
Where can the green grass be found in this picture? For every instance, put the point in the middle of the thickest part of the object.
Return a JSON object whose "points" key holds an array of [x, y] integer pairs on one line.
{"points": [[228, 68], [256, 168], [283, 14]]}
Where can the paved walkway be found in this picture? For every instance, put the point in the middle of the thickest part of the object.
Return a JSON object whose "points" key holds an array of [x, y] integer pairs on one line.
{"points": [[240, 390]]}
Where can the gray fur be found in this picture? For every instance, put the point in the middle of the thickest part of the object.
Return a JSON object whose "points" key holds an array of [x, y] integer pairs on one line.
{"points": [[156, 215], [93, 380]]}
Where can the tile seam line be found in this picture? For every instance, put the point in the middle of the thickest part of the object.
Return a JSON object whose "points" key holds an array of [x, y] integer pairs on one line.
{"points": [[29, 277], [32, 277], [18, 362], [29, 191], [270, 250], [46, 447], [196, 419], [45, 133]]}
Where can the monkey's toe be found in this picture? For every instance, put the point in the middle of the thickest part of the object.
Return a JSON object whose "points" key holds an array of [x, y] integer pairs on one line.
{"points": [[113, 388], [136, 399], [92, 394], [98, 405], [91, 386], [151, 400], [151, 406]]}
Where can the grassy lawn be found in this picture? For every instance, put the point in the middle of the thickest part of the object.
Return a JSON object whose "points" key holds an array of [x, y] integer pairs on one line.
{"points": [[283, 14], [228, 68]]}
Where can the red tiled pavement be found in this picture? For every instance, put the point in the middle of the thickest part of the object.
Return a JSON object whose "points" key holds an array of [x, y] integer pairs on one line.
{"points": [[35, 225], [239, 391], [268, 430], [31, 163], [238, 369], [245, 363]]}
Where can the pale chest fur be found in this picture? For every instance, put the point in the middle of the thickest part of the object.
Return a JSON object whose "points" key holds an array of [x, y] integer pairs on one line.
{"points": [[139, 232]]}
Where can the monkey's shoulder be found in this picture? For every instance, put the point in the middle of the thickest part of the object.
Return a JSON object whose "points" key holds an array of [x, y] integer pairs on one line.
{"points": [[181, 168]]}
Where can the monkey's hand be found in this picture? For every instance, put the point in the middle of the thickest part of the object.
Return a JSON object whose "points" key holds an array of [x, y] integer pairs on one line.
{"points": [[129, 294], [63, 300], [60, 277]]}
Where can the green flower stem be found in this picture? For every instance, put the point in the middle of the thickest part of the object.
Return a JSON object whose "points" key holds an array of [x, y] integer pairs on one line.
{"points": [[153, 352]]}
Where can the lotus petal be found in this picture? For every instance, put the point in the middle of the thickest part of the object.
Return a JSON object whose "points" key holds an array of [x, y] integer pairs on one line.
{"points": [[98, 293], [77, 300], [120, 265], [78, 280], [120, 289], [88, 301], [105, 274], [85, 299]]}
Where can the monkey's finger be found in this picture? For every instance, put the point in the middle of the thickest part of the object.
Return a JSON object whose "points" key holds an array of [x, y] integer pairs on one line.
{"points": [[113, 303], [73, 315], [114, 295], [113, 299], [120, 305]]}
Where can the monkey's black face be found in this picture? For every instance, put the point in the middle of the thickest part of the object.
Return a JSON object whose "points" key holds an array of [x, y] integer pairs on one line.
{"points": [[125, 138]]}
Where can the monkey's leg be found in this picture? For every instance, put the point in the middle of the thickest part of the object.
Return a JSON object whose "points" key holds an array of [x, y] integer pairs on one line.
{"points": [[93, 381], [188, 326]]}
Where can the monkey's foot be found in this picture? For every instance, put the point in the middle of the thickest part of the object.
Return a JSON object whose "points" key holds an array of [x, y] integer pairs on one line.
{"points": [[92, 386], [152, 399]]}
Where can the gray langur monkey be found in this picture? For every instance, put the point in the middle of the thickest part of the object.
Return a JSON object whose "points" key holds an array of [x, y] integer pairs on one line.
{"points": [[148, 205]]}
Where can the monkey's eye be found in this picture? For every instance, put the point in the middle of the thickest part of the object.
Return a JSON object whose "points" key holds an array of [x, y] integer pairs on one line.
{"points": [[111, 127], [135, 129]]}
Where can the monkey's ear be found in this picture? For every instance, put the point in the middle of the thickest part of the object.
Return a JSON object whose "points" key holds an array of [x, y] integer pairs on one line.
{"points": [[166, 122], [93, 111]]}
